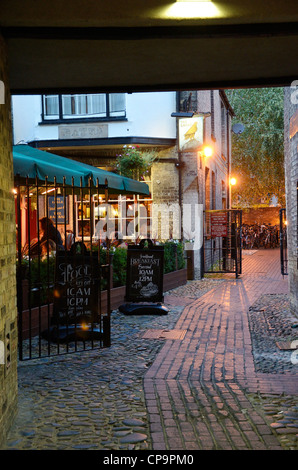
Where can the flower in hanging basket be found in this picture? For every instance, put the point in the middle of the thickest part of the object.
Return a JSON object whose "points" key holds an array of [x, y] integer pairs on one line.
{"points": [[133, 163]]}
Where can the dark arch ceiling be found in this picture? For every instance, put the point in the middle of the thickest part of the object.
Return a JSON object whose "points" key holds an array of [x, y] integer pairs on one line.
{"points": [[148, 45]]}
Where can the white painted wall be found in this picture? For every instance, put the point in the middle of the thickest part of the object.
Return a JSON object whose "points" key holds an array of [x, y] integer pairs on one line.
{"points": [[26, 114], [148, 115]]}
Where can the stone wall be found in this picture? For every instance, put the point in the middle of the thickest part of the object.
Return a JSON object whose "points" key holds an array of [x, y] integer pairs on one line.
{"points": [[291, 177], [8, 314]]}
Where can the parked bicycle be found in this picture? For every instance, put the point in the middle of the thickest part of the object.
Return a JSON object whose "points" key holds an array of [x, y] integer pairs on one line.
{"points": [[260, 236]]}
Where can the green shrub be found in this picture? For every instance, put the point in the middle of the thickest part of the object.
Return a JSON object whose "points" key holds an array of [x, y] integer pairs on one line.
{"points": [[170, 250], [119, 267], [43, 272], [41, 276], [120, 256], [180, 256]]}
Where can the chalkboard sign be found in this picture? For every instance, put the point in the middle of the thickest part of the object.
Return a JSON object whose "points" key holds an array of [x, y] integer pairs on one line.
{"points": [[60, 203], [144, 273], [76, 288]]}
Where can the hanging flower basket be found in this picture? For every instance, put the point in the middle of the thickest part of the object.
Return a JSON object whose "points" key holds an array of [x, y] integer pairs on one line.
{"points": [[133, 163]]}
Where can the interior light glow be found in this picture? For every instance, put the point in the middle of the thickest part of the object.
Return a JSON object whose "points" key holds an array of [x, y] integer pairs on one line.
{"points": [[48, 191], [192, 9], [233, 181]]}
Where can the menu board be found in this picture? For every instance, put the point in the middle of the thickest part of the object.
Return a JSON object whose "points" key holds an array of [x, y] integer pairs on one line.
{"points": [[59, 203], [76, 288], [144, 274]]}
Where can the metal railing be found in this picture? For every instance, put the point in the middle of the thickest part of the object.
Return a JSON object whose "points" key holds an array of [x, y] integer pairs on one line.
{"points": [[63, 270]]}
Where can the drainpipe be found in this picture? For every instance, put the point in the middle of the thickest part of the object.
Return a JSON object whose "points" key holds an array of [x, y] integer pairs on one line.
{"points": [[228, 161], [179, 166]]}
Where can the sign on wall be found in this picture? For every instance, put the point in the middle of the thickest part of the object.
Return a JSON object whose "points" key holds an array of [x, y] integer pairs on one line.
{"points": [[83, 131], [219, 223], [190, 133]]}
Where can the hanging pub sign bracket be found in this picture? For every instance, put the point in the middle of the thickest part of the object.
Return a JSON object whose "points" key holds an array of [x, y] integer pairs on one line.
{"points": [[144, 280]]}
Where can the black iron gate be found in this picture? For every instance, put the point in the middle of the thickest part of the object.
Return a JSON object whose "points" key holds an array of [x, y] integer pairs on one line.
{"points": [[63, 269], [223, 241], [283, 242]]}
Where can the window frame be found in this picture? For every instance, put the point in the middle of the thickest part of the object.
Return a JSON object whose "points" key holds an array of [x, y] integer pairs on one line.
{"points": [[72, 120]]}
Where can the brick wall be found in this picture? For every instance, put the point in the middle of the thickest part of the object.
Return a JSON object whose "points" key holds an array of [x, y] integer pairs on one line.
{"points": [[197, 190], [165, 194], [291, 177], [262, 215], [8, 315]]}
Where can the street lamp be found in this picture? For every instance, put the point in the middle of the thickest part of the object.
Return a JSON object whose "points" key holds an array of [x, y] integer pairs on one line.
{"points": [[233, 182], [207, 151]]}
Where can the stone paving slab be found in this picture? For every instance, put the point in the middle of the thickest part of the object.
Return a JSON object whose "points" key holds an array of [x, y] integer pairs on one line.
{"points": [[207, 382], [205, 391]]}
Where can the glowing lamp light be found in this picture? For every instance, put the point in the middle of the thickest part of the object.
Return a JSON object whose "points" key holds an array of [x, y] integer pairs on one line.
{"points": [[193, 9], [56, 293], [84, 326], [233, 181], [207, 151]]}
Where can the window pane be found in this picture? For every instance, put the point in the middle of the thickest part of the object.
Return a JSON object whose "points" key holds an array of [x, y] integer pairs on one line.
{"points": [[80, 104], [73, 105], [97, 104], [117, 104], [92, 105], [51, 106], [84, 105], [66, 104]]}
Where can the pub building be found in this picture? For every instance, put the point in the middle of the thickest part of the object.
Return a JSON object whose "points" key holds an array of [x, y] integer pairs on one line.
{"points": [[175, 127]]}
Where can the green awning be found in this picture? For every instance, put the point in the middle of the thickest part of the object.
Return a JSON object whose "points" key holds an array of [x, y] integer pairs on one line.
{"points": [[32, 163]]}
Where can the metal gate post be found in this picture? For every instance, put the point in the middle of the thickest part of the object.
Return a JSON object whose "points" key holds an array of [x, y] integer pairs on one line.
{"points": [[236, 250], [19, 271], [190, 265], [282, 242], [240, 240]]}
